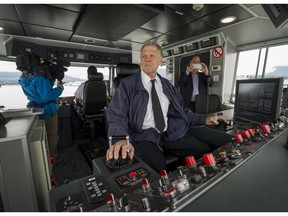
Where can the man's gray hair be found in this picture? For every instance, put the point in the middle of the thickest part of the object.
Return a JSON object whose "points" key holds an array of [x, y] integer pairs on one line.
{"points": [[151, 43]]}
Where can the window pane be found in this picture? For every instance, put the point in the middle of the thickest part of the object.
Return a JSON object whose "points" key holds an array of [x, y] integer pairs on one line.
{"points": [[81, 72], [247, 64], [162, 70], [277, 64], [12, 96]]}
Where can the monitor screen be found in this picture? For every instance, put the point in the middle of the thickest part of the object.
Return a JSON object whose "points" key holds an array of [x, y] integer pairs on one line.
{"points": [[258, 99]]}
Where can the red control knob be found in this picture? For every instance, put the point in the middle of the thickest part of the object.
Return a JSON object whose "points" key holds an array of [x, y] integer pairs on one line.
{"points": [[171, 192], [163, 174], [251, 131], [145, 184], [209, 159], [132, 175], [238, 138], [265, 128], [111, 199], [245, 134], [190, 161]]}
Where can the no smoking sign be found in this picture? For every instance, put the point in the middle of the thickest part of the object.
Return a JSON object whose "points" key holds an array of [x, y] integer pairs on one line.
{"points": [[217, 52]]}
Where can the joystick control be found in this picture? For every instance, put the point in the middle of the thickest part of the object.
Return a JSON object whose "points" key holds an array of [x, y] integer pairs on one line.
{"points": [[115, 164]]}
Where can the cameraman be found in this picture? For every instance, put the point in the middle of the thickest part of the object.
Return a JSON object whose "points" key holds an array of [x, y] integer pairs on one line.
{"points": [[41, 94], [194, 81]]}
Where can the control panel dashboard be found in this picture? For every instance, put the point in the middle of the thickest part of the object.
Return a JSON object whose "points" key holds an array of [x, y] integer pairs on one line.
{"points": [[135, 187]]}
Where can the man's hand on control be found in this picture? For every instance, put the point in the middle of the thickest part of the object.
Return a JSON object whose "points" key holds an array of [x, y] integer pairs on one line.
{"points": [[114, 150], [214, 120]]}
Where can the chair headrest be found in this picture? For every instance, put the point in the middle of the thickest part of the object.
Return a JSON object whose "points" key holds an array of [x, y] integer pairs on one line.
{"points": [[95, 76], [127, 69]]}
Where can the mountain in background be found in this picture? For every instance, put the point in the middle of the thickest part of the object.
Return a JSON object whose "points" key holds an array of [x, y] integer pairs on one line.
{"points": [[280, 71], [11, 78]]}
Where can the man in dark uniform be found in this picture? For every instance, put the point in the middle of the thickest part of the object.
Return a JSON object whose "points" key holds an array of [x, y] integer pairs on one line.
{"points": [[195, 80]]}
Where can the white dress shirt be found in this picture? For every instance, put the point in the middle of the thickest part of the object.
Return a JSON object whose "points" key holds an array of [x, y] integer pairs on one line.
{"points": [[164, 101]]}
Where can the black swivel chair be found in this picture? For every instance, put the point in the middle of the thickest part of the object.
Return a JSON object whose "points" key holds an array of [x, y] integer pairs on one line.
{"points": [[123, 70], [214, 104], [94, 101]]}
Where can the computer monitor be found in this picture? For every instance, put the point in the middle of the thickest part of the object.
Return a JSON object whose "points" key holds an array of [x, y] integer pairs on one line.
{"points": [[258, 99]]}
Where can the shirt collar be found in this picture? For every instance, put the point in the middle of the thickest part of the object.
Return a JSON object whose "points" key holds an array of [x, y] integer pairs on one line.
{"points": [[146, 79]]}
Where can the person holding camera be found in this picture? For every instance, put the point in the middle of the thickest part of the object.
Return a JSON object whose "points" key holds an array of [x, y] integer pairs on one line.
{"points": [[195, 80], [37, 82]]}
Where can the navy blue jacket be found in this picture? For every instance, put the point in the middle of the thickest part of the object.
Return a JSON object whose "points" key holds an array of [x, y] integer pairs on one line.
{"points": [[128, 107]]}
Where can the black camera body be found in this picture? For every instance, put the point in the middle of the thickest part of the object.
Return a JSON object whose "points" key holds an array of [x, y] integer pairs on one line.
{"points": [[32, 64]]}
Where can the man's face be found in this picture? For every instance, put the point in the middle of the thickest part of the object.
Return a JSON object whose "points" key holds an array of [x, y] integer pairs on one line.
{"points": [[195, 60], [150, 60]]}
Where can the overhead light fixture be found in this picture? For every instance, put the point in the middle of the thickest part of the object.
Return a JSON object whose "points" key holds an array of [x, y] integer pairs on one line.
{"points": [[228, 19], [180, 13], [91, 41], [198, 7], [1, 28]]}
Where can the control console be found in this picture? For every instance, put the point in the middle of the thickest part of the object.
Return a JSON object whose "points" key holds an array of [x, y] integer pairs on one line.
{"points": [[132, 186]]}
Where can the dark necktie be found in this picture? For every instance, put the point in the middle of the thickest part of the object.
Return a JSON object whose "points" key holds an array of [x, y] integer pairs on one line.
{"points": [[157, 110]]}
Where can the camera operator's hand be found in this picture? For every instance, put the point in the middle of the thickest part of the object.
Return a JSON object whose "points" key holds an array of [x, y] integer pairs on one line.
{"points": [[60, 84]]}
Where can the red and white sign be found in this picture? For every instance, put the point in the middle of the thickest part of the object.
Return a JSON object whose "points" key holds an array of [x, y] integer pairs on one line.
{"points": [[217, 52]]}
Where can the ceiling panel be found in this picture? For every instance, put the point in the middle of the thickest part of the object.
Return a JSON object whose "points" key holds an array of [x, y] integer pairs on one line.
{"points": [[193, 29], [8, 12], [43, 32], [72, 7], [140, 35], [112, 22], [241, 34], [167, 21], [206, 10], [234, 10], [47, 16], [11, 27], [118, 27], [258, 10]]}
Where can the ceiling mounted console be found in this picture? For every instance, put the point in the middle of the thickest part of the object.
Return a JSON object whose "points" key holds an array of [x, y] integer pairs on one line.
{"points": [[197, 45], [15, 47]]}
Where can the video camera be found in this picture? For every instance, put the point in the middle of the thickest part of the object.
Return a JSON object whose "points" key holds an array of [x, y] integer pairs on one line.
{"points": [[32, 64]]}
